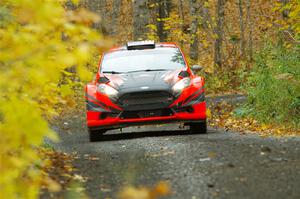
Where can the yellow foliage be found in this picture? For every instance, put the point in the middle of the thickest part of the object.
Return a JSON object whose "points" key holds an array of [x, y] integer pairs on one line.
{"points": [[152, 35], [38, 40], [291, 25], [160, 189], [208, 113]]}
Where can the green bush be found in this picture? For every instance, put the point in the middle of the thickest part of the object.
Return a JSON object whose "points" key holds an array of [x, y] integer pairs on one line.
{"points": [[274, 86]]}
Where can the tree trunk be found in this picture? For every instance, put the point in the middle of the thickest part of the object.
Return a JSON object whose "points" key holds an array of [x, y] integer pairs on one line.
{"points": [[205, 17], [285, 12], [242, 29], [180, 11], [194, 8], [164, 8], [115, 14], [141, 17], [250, 25], [219, 31], [181, 15], [99, 7]]}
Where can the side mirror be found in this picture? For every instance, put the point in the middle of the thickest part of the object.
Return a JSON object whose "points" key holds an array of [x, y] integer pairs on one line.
{"points": [[196, 68]]}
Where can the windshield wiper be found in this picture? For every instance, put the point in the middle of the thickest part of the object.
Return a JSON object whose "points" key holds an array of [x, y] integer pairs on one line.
{"points": [[111, 72], [147, 70]]}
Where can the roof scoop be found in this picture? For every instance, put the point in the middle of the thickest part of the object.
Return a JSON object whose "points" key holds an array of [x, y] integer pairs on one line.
{"points": [[140, 45]]}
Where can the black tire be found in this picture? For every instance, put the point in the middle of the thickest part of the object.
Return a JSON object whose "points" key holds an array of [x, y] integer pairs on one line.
{"points": [[198, 127], [96, 135]]}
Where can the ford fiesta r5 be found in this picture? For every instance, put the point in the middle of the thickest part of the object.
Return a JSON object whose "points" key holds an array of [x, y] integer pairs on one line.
{"points": [[144, 83]]}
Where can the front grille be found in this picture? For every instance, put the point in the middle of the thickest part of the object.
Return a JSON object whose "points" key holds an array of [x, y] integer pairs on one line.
{"points": [[145, 100], [146, 113]]}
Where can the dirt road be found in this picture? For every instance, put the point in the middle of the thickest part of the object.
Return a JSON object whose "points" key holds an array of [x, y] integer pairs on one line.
{"points": [[217, 165]]}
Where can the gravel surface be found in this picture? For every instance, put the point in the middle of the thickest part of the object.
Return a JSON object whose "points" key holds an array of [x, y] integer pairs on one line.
{"points": [[217, 165], [220, 164]]}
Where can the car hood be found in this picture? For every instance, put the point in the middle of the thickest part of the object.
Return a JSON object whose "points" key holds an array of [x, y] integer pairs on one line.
{"points": [[148, 80]]}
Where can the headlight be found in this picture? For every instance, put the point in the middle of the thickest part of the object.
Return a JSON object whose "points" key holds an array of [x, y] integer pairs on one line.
{"points": [[180, 85], [107, 90]]}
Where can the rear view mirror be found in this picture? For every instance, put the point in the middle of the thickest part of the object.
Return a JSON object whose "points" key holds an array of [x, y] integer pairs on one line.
{"points": [[196, 68]]}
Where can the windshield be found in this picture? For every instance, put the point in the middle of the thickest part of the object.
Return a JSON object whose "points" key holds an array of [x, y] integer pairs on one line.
{"points": [[139, 60]]}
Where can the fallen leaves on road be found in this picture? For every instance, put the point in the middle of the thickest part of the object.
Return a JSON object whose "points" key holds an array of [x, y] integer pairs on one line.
{"points": [[222, 116], [90, 157], [59, 174], [58, 168], [159, 190]]}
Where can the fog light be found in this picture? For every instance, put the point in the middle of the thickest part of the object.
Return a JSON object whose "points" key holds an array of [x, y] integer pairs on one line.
{"points": [[190, 109], [102, 116]]}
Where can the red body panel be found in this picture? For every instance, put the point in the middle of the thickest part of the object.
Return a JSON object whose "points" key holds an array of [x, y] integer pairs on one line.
{"points": [[199, 114], [195, 89]]}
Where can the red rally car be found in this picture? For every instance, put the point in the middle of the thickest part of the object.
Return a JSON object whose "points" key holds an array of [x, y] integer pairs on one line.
{"points": [[144, 83]]}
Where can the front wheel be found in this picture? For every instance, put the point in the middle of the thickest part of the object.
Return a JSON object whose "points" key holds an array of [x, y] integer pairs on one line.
{"points": [[198, 127], [95, 135]]}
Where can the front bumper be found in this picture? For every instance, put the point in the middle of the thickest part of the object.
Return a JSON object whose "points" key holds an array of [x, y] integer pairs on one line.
{"points": [[194, 113]]}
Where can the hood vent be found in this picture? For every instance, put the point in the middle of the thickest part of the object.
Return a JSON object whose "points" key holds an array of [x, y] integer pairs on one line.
{"points": [[183, 74], [103, 79]]}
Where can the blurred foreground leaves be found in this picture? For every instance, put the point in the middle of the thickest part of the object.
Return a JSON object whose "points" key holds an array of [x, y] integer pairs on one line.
{"points": [[60, 179], [160, 189], [38, 41]]}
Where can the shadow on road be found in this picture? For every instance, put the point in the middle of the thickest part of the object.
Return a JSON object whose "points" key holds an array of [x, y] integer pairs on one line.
{"points": [[136, 135]]}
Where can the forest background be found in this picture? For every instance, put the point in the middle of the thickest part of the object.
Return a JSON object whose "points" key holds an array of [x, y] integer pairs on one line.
{"points": [[49, 49]]}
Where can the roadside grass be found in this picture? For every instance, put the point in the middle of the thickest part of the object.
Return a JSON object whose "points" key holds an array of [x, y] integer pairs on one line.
{"points": [[225, 81], [224, 115], [273, 87]]}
